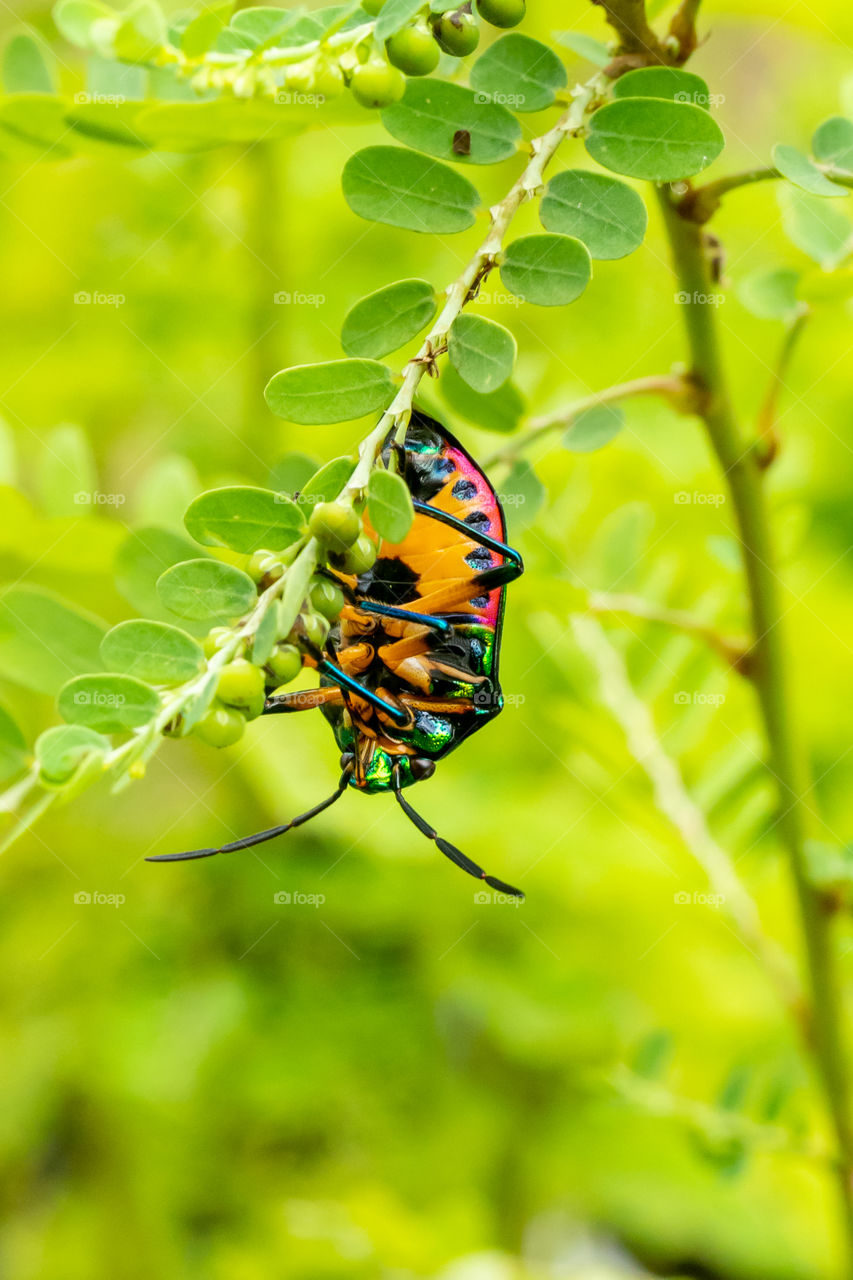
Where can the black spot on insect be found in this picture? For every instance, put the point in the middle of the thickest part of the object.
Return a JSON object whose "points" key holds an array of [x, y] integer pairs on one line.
{"points": [[462, 143], [477, 519], [479, 559], [464, 490], [391, 581]]}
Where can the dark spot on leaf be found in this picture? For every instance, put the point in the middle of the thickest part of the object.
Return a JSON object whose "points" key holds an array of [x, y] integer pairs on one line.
{"points": [[462, 143]]}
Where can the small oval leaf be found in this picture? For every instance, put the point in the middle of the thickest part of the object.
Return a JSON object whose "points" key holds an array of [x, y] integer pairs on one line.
{"points": [[63, 748], [520, 73], [654, 139], [203, 589], [152, 651], [432, 113], [107, 703], [663, 82], [804, 173], [386, 320], [608, 216], [499, 411], [548, 270], [403, 189], [244, 519], [833, 143], [311, 394], [594, 428], [771, 295], [389, 505], [482, 352], [327, 483]]}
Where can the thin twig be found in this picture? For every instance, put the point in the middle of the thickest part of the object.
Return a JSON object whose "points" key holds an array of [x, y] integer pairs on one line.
{"points": [[768, 435], [734, 650]]}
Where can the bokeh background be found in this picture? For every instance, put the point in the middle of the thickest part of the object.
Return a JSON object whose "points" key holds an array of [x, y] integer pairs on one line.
{"points": [[401, 1080]]}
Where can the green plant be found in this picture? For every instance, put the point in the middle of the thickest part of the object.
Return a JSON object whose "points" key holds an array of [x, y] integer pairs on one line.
{"points": [[255, 590]]}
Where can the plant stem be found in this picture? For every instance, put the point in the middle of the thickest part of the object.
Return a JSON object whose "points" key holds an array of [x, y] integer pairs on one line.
{"points": [[656, 384], [768, 435], [734, 650], [700, 203], [770, 676]]}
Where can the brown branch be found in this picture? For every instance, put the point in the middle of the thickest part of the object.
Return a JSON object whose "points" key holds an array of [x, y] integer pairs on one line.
{"points": [[639, 44]]}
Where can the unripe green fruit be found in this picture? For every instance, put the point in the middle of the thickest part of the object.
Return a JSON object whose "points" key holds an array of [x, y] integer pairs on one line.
{"points": [[502, 13], [241, 684], [358, 558], [220, 727], [413, 50], [335, 526], [372, 6], [316, 628], [457, 33], [264, 564], [326, 598], [285, 663], [214, 640], [377, 85], [329, 80]]}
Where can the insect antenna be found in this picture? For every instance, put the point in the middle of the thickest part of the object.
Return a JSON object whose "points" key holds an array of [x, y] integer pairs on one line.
{"points": [[260, 836], [449, 850]]}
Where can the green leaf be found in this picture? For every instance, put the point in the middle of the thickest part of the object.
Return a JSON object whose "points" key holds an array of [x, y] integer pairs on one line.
{"points": [[334, 392], [291, 472], [107, 703], [204, 589], [453, 123], [266, 635], [152, 651], [771, 295], [244, 519], [663, 82], [389, 505], [653, 1054], [595, 51], [800, 170], [77, 20], [547, 270], [482, 352], [500, 410], [165, 490], [201, 34], [24, 67], [522, 495], [44, 639], [296, 587], [327, 483], [403, 189], [608, 216], [67, 478], [386, 320], [13, 747], [141, 33], [395, 14], [519, 73], [594, 428], [61, 750], [832, 143], [653, 139], [141, 559], [195, 708], [821, 230], [262, 23]]}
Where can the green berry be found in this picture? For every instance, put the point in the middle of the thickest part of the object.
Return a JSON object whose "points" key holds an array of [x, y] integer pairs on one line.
{"points": [[316, 628], [358, 558], [285, 663], [326, 598], [241, 683], [335, 526], [502, 13], [214, 640], [263, 564], [372, 6], [220, 727], [328, 80], [377, 85], [413, 50], [457, 33]]}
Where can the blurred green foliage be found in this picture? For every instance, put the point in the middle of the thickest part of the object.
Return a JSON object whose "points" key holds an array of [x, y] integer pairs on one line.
{"points": [[204, 1080]]}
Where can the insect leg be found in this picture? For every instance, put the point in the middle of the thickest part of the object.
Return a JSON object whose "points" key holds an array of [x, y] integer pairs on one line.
{"points": [[347, 682], [405, 615], [513, 557], [449, 850], [260, 836]]}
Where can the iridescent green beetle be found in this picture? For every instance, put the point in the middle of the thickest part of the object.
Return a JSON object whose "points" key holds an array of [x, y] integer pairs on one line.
{"points": [[410, 669]]}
